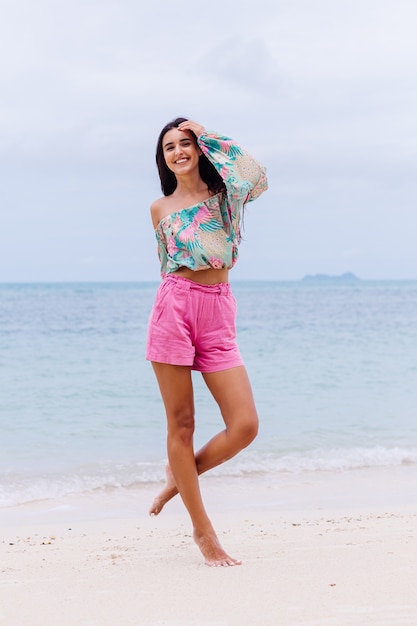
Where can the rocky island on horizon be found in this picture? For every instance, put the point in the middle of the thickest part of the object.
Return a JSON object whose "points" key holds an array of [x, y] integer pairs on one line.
{"points": [[345, 277]]}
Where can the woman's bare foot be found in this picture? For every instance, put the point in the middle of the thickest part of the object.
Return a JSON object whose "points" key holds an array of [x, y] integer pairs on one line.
{"points": [[212, 551], [169, 491]]}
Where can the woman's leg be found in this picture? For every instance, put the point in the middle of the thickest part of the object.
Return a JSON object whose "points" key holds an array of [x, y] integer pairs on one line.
{"points": [[232, 391], [176, 388]]}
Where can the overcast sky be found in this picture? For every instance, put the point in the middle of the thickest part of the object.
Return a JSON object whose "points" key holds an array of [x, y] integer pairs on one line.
{"points": [[323, 92]]}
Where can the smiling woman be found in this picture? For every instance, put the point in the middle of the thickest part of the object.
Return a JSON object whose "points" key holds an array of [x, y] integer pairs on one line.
{"points": [[206, 180], [206, 183], [173, 139], [179, 150]]}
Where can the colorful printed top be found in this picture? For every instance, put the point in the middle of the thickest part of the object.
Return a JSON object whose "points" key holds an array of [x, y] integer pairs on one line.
{"points": [[207, 234]]}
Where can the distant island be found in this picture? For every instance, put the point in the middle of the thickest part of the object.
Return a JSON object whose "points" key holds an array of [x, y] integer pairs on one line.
{"points": [[346, 277]]}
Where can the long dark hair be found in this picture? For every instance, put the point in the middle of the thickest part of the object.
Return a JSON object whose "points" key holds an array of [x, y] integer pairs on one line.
{"points": [[207, 170]]}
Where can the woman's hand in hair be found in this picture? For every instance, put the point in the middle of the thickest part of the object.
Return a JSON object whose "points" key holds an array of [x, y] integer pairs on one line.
{"points": [[196, 128]]}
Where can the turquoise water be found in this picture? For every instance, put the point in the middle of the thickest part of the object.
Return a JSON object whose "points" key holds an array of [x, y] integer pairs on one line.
{"points": [[333, 367]]}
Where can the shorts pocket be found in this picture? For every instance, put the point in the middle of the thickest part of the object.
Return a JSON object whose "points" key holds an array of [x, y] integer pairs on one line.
{"points": [[233, 303], [159, 304]]}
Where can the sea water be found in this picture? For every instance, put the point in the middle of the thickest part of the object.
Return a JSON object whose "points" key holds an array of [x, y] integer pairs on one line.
{"points": [[333, 367]]}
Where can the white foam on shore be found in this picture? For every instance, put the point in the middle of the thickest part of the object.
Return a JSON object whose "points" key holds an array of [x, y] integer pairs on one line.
{"points": [[18, 489], [319, 460]]}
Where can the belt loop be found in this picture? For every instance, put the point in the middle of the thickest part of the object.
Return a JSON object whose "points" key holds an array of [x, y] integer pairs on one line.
{"points": [[185, 284]]}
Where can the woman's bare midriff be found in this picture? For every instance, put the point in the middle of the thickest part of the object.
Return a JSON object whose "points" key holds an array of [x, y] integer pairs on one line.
{"points": [[204, 277]]}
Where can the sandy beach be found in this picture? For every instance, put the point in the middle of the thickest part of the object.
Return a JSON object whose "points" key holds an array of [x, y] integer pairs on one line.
{"points": [[317, 549]]}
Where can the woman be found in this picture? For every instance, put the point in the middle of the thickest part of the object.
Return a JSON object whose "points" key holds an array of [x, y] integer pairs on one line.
{"points": [[206, 180]]}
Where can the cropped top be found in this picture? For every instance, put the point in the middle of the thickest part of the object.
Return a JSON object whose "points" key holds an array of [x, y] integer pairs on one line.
{"points": [[207, 234]]}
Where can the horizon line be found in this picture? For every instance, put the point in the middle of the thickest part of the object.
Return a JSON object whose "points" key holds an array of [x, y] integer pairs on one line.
{"points": [[308, 278]]}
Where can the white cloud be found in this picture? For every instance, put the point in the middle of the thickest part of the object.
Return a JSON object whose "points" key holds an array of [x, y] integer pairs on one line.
{"points": [[243, 63]]}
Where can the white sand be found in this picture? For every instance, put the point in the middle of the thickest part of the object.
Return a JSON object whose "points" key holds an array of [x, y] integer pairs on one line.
{"points": [[317, 550]]}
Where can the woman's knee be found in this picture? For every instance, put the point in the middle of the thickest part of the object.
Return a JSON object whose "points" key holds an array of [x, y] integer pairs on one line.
{"points": [[181, 426], [251, 430], [246, 429]]}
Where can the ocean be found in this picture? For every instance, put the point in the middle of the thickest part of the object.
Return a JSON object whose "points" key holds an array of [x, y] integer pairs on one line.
{"points": [[333, 367]]}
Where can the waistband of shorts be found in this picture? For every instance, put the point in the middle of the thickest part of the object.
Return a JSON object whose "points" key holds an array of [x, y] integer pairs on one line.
{"points": [[189, 285]]}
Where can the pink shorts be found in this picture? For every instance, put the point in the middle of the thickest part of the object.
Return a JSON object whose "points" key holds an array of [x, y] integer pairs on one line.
{"points": [[193, 325]]}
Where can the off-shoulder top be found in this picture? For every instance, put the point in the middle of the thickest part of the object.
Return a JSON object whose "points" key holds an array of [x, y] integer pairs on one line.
{"points": [[207, 234]]}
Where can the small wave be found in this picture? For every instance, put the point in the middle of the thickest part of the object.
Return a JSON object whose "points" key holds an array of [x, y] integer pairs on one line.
{"points": [[17, 489], [318, 460]]}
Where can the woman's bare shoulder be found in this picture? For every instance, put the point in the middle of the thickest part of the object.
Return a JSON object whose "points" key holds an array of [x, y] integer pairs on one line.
{"points": [[158, 209], [159, 202]]}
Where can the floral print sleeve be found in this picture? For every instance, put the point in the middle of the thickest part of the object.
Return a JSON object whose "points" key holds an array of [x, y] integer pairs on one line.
{"points": [[244, 177]]}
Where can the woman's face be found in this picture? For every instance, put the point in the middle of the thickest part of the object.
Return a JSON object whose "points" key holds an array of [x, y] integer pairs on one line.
{"points": [[180, 151]]}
